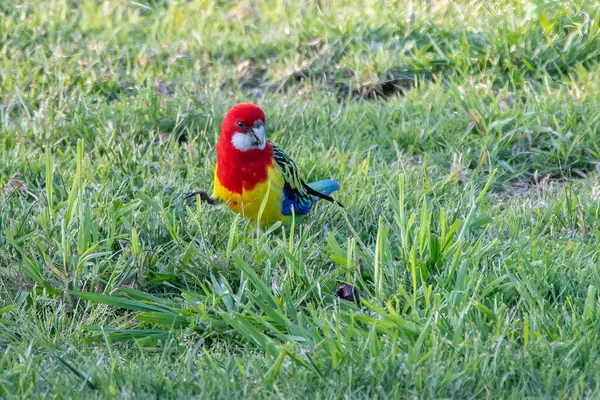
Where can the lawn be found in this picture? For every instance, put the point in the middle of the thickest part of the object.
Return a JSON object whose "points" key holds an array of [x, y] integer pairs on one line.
{"points": [[466, 139]]}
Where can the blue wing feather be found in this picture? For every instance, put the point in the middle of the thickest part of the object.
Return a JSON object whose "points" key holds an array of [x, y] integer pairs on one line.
{"points": [[301, 204]]}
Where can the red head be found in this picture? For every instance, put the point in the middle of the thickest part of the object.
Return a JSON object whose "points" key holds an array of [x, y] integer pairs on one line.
{"points": [[244, 128], [243, 153]]}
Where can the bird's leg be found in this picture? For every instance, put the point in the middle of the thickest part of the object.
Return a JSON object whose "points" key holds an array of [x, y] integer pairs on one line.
{"points": [[205, 197]]}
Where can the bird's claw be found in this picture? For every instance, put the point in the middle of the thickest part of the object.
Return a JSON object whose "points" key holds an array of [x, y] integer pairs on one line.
{"points": [[203, 196]]}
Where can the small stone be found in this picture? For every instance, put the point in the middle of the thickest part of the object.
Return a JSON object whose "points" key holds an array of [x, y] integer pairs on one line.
{"points": [[163, 90]]}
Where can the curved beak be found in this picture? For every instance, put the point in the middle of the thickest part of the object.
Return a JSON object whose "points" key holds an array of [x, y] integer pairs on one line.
{"points": [[258, 134]]}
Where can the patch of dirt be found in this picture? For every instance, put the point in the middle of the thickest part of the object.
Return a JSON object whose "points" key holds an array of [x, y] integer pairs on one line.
{"points": [[539, 186], [323, 68], [395, 81]]}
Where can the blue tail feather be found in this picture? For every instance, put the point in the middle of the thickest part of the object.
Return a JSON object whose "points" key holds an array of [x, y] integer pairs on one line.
{"points": [[326, 187]]}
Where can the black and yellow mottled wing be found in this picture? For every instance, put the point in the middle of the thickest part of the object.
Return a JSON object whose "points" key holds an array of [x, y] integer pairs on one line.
{"points": [[295, 194]]}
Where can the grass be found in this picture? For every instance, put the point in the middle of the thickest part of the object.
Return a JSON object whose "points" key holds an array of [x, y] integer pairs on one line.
{"points": [[465, 138]]}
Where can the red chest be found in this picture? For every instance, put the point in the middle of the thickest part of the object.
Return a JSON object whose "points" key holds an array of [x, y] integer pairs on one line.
{"points": [[238, 171]]}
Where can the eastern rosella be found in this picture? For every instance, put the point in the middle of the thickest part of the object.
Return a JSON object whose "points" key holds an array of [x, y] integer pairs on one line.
{"points": [[250, 169]]}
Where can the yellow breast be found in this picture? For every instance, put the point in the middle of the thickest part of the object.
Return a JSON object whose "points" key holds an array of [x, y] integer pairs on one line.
{"points": [[248, 203]]}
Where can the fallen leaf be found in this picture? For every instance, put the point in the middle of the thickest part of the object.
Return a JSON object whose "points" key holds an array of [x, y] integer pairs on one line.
{"points": [[348, 292]]}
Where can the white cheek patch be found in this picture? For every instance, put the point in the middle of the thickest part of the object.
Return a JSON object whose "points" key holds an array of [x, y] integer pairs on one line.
{"points": [[245, 142], [242, 141]]}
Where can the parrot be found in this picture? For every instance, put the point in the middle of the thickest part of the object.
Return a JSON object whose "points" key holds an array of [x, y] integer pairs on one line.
{"points": [[251, 170]]}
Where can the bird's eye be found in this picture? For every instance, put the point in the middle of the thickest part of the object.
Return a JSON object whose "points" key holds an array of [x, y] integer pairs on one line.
{"points": [[241, 125]]}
